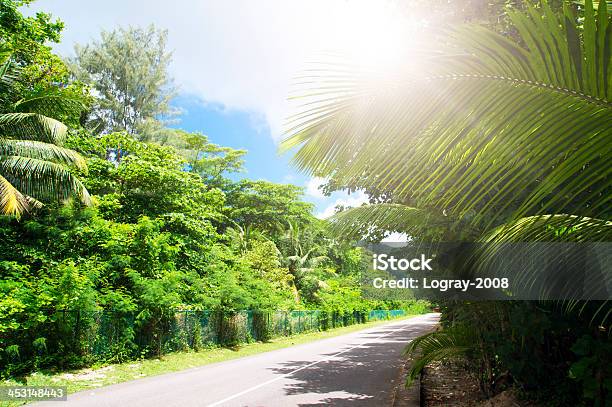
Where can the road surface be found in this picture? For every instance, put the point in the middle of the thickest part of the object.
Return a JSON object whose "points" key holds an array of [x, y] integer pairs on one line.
{"points": [[356, 369]]}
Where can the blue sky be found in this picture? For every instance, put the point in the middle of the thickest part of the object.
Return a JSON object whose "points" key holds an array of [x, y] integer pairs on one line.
{"points": [[241, 130], [235, 61], [249, 131]]}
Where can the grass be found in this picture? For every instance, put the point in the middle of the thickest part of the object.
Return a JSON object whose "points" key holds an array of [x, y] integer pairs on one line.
{"points": [[99, 376]]}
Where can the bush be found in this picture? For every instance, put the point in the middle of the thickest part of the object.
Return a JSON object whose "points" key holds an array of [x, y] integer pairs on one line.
{"points": [[230, 327], [551, 354], [261, 326]]}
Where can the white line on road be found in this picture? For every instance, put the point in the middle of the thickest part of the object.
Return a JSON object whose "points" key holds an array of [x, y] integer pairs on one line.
{"points": [[250, 389]]}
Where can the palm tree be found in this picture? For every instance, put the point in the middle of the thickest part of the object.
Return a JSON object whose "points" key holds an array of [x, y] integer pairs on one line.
{"points": [[33, 165], [482, 130], [301, 260], [509, 138]]}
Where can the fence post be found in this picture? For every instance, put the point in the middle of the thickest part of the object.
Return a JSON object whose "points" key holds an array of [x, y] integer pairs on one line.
{"points": [[77, 328], [286, 321]]}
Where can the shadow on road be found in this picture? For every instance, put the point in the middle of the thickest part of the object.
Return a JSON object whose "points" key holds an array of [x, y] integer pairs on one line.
{"points": [[364, 376]]}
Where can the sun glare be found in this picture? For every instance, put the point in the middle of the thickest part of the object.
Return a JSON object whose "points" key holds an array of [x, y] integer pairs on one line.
{"points": [[377, 35]]}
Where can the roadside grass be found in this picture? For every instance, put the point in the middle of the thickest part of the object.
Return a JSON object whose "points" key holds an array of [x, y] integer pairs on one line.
{"points": [[104, 375]]}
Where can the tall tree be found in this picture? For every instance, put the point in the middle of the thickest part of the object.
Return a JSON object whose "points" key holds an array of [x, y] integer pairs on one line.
{"points": [[211, 161], [267, 207], [128, 69]]}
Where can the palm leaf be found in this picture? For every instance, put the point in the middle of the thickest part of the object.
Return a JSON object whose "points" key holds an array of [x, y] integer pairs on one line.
{"points": [[8, 71], [32, 126], [43, 151], [495, 133], [387, 217], [562, 257], [552, 228], [31, 165], [12, 202], [436, 346], [52, 103], [483, 129], [42, 179]]}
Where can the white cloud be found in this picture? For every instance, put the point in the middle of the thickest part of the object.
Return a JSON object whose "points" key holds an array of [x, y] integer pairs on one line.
{"points": [[312, 187], [242, 54], [356, 199]]}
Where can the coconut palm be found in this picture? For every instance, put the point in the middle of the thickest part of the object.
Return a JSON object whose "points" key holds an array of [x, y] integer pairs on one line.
{"points": [[482, 130], [511, 139], [33, 165]]}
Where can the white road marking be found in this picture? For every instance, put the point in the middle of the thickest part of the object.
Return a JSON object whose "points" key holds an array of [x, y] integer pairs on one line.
{"points": [[250, 389]]}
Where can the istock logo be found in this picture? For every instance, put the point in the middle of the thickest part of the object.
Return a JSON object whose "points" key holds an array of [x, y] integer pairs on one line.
{"points": [[385, 262]]}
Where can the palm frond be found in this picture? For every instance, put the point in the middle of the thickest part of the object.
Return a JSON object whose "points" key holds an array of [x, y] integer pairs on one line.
{"points": [[42, 151], [33, 202], [551, 228], [489, 131], [5, 54], [386, 217], [32, 126], [316, 261], [42, 179], [8, 71], [562, 258], [436, 346], [52, 103], [12, 202], [31, 162]]}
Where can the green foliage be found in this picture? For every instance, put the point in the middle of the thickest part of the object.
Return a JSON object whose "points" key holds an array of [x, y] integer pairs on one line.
{"points": [[265, 259], [592, 369], [475, 158], [154, 243], [524, 344], [340, 294], [267, 206], [171, 254], [483, 136], [204, 158], [27, 38], [33, 165], [437, 346], [262, 326]]}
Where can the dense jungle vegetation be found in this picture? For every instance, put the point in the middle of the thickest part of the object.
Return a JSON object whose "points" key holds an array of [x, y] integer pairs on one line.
{"points": [[106, 209]]}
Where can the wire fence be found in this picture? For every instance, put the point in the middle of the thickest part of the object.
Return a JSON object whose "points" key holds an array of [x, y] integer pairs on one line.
{"points": [[103, 333], [74, 338]]}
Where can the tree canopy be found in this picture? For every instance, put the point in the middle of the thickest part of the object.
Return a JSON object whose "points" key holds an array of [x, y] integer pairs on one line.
{"points": [[128, 68]]}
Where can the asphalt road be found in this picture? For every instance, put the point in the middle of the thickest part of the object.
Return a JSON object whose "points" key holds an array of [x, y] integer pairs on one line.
{"points": [[356, 369]]}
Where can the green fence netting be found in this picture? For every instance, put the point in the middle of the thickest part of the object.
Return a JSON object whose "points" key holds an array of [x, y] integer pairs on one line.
{"points": [[105, 332], [78, 337]]}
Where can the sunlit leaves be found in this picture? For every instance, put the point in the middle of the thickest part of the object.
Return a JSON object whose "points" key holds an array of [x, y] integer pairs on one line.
{"points": [[43, 151], [489, 130], [12, 202], [510, 141]]}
